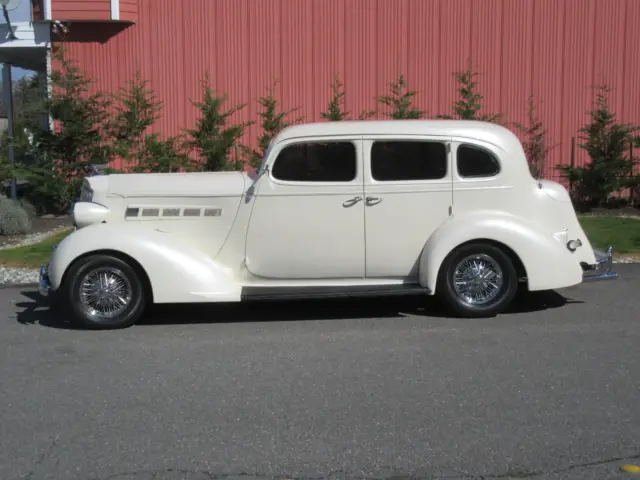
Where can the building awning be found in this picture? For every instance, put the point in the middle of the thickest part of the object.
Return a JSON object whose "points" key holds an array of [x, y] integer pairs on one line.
{"points": [[29, 49]]}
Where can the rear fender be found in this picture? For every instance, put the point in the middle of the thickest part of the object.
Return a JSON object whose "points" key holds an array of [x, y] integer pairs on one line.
{"points": [[177, 271], [547, 262]]}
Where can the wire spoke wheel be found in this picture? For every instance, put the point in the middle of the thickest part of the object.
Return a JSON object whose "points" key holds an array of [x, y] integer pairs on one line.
{"points": [[478, 279], [105, 293]]}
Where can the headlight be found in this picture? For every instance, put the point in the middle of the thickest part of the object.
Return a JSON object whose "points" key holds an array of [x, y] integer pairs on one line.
{"points": [[86, 213]]}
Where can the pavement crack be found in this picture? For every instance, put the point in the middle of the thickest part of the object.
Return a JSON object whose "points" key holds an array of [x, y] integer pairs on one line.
{"points": [[210, 475], [43, 457], [537, 473]]}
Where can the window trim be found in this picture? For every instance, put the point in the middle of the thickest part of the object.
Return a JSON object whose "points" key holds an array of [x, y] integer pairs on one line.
{"points": [[277, 149], [459, 144]]}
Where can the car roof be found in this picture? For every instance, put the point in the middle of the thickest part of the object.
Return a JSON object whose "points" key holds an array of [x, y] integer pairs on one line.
{"points": [[484, 131]]}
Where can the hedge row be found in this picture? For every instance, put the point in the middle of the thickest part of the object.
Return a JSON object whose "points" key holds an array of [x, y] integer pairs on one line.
{"points": [[96, 128]]}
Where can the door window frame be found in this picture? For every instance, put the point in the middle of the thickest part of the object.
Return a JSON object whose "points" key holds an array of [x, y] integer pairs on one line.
{"points": [[367, 146], [356, 140]]}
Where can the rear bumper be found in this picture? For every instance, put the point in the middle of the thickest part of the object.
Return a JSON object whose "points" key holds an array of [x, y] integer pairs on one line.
{"points": [[602, 269], [44, 287]]}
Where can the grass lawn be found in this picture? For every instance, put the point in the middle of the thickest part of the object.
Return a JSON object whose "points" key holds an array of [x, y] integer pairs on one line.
{"points": [[32, 256], [622, 233]]}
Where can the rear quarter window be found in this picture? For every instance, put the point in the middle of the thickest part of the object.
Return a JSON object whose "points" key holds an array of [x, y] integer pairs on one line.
{"points": [[476, 162]]}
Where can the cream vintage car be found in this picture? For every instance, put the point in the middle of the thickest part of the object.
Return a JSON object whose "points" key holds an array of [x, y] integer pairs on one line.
{"points": [[352, 208]]}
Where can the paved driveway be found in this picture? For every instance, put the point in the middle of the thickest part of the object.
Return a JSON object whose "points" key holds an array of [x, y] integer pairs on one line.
{"points": [[339, 389]]}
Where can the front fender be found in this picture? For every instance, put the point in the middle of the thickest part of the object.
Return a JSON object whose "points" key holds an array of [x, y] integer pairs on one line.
{"points": [[178, 271], [548, 263]]}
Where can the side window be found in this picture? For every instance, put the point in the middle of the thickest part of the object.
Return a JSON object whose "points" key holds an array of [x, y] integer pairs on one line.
{"points": [[316, 162], [474, 162], [408, 160]]}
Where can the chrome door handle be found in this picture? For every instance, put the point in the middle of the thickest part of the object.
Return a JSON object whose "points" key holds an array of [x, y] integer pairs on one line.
{"points": [[370, 201], [351, 202]]}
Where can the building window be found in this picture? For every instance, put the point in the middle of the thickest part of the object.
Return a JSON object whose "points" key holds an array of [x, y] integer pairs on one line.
{"points": [[475, 162], [316, 162], [408, 160]]}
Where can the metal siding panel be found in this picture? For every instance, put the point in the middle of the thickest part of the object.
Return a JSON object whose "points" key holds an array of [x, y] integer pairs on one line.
{"points": [[328, 50], [391, 45], [517, 46], [264, 53], [630, 109], [455, 41], [360, 57], [547, 79], [81, 10], [199, 54], [129, 10], [486, 49], [555, 54], [630, 112], [608, 43], [577, 92], [230, 66], [167, 61], [424, 49], [298, 73]]}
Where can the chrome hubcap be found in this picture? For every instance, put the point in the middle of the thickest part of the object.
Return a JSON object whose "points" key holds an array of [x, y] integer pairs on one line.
{"points": [[478, 279], [105, 292]]}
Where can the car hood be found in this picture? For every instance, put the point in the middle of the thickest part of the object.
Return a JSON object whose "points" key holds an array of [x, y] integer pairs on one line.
{"points": [[200, 184]]}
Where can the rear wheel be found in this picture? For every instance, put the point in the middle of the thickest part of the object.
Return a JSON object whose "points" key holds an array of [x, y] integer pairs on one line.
{"points": [[477, 280], [104, 292]]}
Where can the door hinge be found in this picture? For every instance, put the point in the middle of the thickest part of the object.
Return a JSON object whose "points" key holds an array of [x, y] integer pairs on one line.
{"points": [[450, 210]]}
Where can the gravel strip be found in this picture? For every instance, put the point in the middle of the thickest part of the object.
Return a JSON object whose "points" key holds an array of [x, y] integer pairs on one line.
{"points": [[18, 276], [33, 238]]}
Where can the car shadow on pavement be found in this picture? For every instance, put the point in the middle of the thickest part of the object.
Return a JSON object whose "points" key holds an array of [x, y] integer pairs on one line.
{"points": [[32, 311]]}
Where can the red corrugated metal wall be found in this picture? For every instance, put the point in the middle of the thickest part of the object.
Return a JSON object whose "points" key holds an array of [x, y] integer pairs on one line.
{"points": [[129, 10], [555, 49], [81, 9]]}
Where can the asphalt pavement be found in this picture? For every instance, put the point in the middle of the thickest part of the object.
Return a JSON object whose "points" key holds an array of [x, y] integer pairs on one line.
{"points": [[385, 389]]}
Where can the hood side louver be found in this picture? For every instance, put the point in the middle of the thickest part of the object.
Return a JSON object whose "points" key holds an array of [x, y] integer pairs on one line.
{"points": [[149, 213]]}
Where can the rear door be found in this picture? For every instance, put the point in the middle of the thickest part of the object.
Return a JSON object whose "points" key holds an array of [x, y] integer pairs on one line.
{"points": [[408, 194]]}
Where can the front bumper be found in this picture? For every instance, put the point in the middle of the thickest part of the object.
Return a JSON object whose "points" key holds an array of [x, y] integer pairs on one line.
{"points": [[602, 269], [44, 287]]}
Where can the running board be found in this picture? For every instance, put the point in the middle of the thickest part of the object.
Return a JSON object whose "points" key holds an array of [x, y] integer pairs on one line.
{"points": [[292, 293]]}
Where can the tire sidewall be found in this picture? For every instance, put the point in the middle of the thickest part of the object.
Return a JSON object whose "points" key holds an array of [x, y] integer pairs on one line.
{"points": [[507, 293], [128, 317]]}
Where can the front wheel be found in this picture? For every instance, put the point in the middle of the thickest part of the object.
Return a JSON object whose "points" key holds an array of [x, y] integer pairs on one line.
{"points": [[104, 292], [477, 280]]}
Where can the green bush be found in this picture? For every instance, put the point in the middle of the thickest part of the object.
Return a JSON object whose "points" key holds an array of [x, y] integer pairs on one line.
{"points": [[607, 142], [14, 219], [28, 207]]}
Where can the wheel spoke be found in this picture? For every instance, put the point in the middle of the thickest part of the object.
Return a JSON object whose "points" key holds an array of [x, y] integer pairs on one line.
{"points": [[478, 279], [105, 292]]}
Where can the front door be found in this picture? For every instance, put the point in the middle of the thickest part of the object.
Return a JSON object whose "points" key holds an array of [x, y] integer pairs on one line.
{"points": [[408, 195], [308, 217]]}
